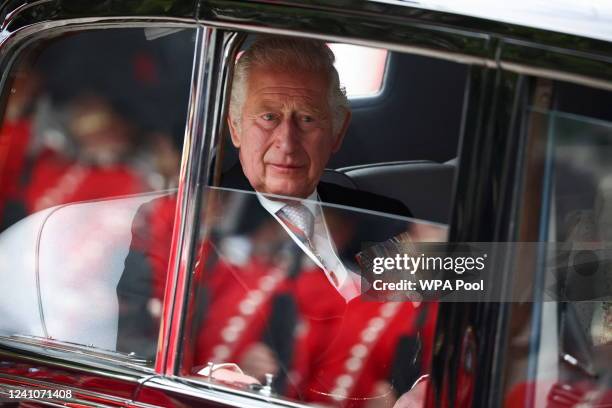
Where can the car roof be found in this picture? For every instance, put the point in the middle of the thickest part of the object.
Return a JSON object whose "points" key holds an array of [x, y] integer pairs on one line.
{"points": [[589, 18], [584, 28]]}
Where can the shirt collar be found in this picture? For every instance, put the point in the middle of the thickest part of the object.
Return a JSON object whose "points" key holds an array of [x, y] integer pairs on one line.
{"points": [[273, 206]]}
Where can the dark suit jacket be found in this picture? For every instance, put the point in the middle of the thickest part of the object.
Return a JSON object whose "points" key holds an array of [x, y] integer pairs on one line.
{"points": [[330, 194]]}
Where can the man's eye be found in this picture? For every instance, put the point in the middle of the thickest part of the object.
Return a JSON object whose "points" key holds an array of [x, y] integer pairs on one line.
{"points": [[307, 119], [268, 116]]}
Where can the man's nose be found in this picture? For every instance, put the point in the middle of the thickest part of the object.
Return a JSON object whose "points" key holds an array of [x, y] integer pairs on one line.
{"points": [[287, 135]]}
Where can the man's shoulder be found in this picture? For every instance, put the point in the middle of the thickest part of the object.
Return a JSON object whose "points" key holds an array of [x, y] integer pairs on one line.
{"points": [[336, 194]]}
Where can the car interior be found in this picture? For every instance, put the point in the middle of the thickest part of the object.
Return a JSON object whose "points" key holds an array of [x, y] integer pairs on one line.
{"points": [[402, 142]]}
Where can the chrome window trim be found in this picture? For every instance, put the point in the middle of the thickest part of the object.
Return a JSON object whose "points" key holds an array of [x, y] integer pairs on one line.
{"points": [[456, 57], [197, 152], [426, 52], [67, 360], [556, 75], [92, 23], [219, 393], [209, 109], [19, 9], [83, 353]]}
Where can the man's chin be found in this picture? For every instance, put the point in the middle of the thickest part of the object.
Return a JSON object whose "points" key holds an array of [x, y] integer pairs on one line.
{"points": [[288, 190]]}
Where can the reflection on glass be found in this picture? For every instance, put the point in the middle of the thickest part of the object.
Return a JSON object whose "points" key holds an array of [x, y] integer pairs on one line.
{"points": [[286, 307], [93, 121], [69, 260]]}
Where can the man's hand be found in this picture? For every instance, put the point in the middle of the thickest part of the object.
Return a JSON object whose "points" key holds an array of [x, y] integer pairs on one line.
{"points": [[228, 373], [259, 360], [415, 398], [233, 377]]}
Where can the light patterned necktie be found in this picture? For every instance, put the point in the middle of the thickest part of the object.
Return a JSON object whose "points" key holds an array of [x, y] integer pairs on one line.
{"points": [[299, 219]]}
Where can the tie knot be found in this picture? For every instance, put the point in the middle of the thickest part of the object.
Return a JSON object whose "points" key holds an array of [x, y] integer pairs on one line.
{"points": [[300, 217]]}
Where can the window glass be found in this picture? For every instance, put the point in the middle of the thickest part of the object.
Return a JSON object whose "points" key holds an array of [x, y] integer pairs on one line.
{"points": [[293, 309], [91, 134], [276, 304], [571, 342], [362, 69], [417, 117]]}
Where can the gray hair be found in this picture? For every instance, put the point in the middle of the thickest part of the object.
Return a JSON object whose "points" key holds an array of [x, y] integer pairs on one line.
{"points": [[291, 54]]}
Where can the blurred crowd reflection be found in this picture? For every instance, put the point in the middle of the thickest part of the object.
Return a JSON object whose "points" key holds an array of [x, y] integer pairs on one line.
{"points": [[81, 123], [256, 300]]}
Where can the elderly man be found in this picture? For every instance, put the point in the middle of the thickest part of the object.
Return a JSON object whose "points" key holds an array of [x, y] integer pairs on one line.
{"points": [[288, 115]]}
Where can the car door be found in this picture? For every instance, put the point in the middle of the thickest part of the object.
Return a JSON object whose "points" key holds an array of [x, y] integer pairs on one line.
{"points": [[527, 346]]}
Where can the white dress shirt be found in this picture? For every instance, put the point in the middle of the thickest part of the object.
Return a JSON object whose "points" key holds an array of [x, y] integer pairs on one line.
{"points": [[327, 259]]}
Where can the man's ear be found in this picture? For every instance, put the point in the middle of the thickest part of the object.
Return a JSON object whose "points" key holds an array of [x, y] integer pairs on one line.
{"points": [[233, 128], [342, 131]]}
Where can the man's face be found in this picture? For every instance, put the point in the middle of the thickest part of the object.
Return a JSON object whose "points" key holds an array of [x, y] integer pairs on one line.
{"points": [[285, 136]]}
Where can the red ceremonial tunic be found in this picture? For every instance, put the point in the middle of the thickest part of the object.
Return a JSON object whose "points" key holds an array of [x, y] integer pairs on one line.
{"points": [[152, 235], [362, 348], [240, 300], [321, 309], [57, 180]]}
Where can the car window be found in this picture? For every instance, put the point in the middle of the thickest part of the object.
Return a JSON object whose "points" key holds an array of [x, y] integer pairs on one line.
{"points": [[362, 69], [278, 297], [567, 341], [397, 136], [91, 134]]}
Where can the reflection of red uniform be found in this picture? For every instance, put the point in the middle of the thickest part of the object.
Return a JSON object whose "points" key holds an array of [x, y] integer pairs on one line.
{"points": [[234, 302], [14, 139], [240, 301], [57, 180], [320, 309], [363, 350], [152, 236]]}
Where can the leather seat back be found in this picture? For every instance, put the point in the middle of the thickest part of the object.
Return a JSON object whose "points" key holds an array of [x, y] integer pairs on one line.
{"points": [[424, 187]]}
